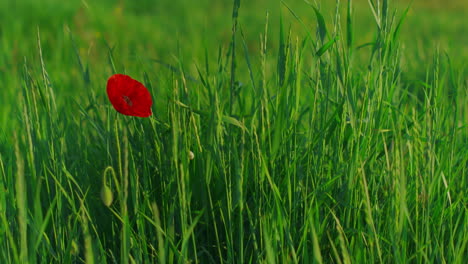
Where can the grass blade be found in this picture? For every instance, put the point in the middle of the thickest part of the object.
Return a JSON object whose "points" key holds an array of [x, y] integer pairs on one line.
{"points": [[326, 46]]}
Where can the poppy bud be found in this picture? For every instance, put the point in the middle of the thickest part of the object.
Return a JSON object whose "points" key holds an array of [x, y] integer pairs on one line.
{"points": [[191, 155], [106, 195]]}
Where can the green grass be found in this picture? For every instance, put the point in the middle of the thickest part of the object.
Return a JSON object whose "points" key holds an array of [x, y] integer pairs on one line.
{"points": [[320, 133]]}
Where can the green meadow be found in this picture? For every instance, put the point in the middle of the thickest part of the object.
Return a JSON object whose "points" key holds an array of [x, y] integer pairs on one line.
{"points": [[282, 132]]}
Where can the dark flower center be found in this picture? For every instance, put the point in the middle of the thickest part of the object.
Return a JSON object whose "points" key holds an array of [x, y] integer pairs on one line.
{"points": [[127, 100]]}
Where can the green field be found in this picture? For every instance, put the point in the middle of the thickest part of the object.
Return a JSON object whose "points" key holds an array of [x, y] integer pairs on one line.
{"points": [[321, 132]]}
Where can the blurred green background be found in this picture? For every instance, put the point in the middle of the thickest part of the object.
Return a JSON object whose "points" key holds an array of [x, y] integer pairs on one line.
{"points": [[184, 27], [163, 29]]}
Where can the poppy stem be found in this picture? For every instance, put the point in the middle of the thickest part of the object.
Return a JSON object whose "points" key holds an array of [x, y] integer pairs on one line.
{"points": [[123, 171]]}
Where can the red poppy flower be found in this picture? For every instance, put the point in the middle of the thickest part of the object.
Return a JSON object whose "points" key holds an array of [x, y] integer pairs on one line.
{"points": [[129, 96]]}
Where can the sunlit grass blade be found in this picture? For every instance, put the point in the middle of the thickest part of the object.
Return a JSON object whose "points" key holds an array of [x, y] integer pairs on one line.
{"points": [[326, 46]]}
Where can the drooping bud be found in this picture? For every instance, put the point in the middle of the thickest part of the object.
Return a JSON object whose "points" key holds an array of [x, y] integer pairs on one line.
{"points": [[106, 195]]}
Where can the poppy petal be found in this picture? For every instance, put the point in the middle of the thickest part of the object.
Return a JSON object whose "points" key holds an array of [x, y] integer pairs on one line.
{"points": [[129, 96]]}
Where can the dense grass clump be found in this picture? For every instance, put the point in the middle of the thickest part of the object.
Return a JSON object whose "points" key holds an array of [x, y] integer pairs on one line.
{"points": [[310, 136]]}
